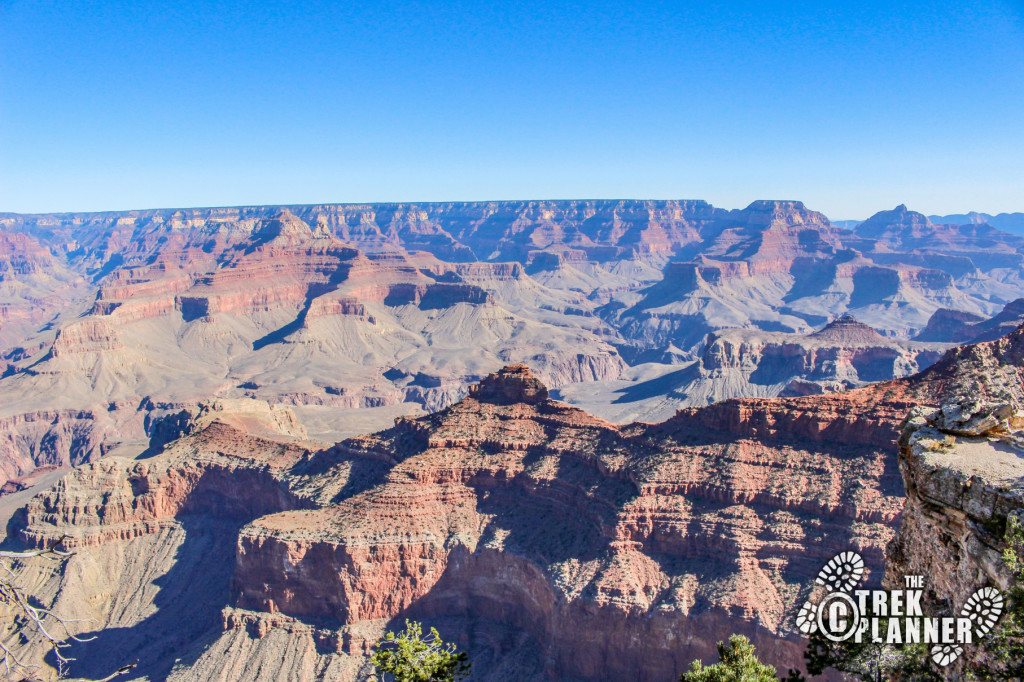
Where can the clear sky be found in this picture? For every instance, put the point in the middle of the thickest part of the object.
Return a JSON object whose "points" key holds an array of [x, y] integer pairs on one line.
{"points": [[850, 107]]}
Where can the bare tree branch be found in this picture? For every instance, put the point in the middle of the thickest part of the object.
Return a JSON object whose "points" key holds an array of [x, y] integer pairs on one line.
{"points": [[32, 620], [49, 552], [123, 670]]}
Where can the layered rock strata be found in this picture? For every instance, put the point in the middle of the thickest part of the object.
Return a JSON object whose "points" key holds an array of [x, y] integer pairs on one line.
{"points": [[607, 551], [962, 468]]}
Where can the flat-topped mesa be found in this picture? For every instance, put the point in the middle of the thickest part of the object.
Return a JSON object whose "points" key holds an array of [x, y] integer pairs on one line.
{"points": [[847, 331], [770, 214], [510, 384]]}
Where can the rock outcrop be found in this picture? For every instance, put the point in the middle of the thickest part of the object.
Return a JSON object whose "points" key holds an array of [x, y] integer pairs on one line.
{"points": [[511, 384], [64, 438], [548, 542], [398, 308], [963, 480], [954, 326], [843, 354], [963, 471], [960, 327]]}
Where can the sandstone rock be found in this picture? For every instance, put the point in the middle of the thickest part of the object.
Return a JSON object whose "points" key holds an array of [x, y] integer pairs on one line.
{"points": [[607, 551], [843, 354], [183, 304], [968, 416], [512, 384], [960, 326], [950, 325], [847, 331], [529, 525], [252, 416]]}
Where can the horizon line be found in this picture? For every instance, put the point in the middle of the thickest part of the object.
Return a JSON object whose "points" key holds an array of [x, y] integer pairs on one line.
{"points": [[452, 201]]}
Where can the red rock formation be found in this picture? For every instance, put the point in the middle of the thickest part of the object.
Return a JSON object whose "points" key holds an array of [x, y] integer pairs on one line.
{"points": [[21, 254], [64, 438], [621, 551], [843, 354], [954, 326], [510, 507], [513, 384], [903, 229], [88, 336], [959, 326]]}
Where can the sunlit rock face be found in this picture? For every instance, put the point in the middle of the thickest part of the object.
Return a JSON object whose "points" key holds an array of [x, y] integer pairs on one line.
{"points": [[964, 480], [184, 360]]}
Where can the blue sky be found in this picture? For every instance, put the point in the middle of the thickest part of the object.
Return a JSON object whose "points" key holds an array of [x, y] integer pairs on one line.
{"points": [[852, 108]]}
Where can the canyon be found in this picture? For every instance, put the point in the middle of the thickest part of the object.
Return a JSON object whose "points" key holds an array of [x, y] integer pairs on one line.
{"points": [[515, 521], [585, 439], [356, 314], [548, 542]]}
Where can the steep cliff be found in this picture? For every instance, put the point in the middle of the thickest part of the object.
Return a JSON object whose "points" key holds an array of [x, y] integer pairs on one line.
{"points": [[843, 354], [964, 477], [959, 326], [400, 307]]}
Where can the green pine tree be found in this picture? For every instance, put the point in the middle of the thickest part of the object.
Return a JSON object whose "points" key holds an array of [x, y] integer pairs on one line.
{"points": [[737, 663], [411, 657]]}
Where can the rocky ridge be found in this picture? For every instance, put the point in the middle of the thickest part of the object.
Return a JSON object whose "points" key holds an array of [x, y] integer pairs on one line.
{"points": [[734, 363], [843, 354], [516, 521], [962, 470]]}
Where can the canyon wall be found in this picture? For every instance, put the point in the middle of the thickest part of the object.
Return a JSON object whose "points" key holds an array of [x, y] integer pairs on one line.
{"points": [[550, 543]]}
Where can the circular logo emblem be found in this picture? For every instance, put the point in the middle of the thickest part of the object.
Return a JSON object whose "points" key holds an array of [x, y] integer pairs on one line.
{"points": [[838, 617]]}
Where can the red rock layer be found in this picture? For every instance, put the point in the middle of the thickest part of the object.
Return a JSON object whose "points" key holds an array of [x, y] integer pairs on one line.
{"points": [[511, 507], [655, 540], [22, 254], [623, 551]]}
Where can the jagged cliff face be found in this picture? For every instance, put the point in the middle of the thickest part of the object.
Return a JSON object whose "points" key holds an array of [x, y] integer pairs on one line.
{"points": [[963, 476], [903, 229], [272, 308], [962, 470], [961, 467], [843, 354], [960, 327], [550, 543]]}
